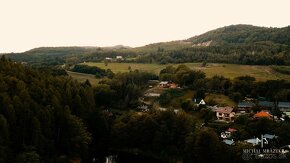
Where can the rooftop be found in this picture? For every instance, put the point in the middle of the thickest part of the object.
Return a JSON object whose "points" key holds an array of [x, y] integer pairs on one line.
{"points": [[228, 142], [284, 104], [152, 94], [253, 141], [269, 136], [263, 114], [231, 130], [245, 104], [164, 82], [226, 110], [265, 103]]}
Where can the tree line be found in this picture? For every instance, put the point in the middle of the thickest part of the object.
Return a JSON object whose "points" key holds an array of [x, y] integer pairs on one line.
{"points": [[98, 72]]}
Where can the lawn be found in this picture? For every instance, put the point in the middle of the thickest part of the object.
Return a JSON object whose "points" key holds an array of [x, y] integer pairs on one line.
{"points": [[261, 73], [83, 77]]}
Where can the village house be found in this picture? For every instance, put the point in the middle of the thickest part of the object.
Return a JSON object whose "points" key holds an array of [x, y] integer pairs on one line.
{"points": [[152, 95], [245, 106], [163, 84], [213, 108], [118, 57], [225, 113], [263, 114], [199, 101], [253, 141], [270, 136], [266, 104], [228, 133], [229, 142], [108, 59], [167, 84], [143, 108], [285, 108]]}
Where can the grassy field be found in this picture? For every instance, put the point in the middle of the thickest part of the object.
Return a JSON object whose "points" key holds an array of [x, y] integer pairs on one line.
{"points": [[220, 99], [123, 67], [83, 77], [261, 73]]}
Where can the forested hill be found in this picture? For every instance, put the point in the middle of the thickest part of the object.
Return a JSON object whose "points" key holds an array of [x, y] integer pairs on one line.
{"points": [[238, 44], [40, 115], [244, 34], [60, 55]]}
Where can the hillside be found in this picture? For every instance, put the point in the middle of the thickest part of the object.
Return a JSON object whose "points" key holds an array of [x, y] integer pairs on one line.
{"points": [[244, 34], [237, 44]]}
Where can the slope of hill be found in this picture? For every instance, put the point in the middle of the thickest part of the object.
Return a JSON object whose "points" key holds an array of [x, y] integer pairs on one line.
{"points": [[239, 44], [247, 34]]}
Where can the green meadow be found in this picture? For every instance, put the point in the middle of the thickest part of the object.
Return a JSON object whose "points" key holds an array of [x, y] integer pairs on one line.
{"points": [[261, 73], [81, 77]]}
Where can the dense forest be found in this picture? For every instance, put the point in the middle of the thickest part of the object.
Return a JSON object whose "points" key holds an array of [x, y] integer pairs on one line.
{"points": [[41, 115], [239, 44], [244, 34], [93, 70], [53, 118]]}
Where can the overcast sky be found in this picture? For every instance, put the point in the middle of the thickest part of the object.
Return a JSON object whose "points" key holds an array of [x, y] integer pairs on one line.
{"points": [[26, 24]]}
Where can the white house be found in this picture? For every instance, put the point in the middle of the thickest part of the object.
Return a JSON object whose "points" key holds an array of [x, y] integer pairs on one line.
{"points": [[119, 57], [199, 102]]}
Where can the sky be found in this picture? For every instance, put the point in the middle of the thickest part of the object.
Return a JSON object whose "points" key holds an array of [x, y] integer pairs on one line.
{"points": [[27, 24]]}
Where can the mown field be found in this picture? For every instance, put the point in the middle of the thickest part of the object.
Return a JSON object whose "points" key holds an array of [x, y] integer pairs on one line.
{"points": [[261, 73], [83, 77]]}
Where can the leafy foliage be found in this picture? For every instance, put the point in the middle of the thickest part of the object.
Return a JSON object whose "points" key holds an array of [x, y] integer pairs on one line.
{"points": [[93, 70], [281, 69], [40, 112]]}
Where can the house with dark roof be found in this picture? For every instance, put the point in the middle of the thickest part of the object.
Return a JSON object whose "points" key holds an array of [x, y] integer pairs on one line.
{"points": [[285, 108], [266, 104], [245, 106]]}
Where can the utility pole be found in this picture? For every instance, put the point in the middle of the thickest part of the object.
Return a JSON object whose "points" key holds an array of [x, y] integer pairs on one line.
{"points": [[262, 141]]}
